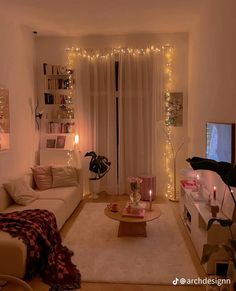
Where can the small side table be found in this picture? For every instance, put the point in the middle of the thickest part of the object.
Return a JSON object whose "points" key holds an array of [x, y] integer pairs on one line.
{"points": [[149, 183]]}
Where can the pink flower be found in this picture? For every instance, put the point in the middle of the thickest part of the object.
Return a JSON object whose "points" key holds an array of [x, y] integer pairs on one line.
{"points": [[134, 183], [135, 180]]}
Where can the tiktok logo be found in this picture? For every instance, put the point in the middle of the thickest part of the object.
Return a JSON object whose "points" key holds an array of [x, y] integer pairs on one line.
{"points": [[175, 281]]}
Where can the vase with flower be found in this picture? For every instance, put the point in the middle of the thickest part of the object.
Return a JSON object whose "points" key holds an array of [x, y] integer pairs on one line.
{"points": [[135, 187]]}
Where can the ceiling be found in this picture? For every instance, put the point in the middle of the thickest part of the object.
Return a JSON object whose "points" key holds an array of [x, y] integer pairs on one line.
{"points": [[86, 17]]}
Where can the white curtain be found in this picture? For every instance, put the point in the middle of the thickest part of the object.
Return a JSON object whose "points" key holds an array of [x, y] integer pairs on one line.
{"points": [[138, 112], [96, 115], [139, 88]]}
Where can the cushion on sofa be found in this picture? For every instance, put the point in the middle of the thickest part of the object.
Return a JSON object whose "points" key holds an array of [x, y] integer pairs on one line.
{"points": [[20, 192], [64, 176], [42, 177], [5, 199]]}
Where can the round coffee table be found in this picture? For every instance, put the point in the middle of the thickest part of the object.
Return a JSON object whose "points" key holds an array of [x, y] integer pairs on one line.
{"points": [[132, 226]]}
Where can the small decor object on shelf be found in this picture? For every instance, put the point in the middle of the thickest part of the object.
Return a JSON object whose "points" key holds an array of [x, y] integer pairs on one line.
{"points": [[135, 187], [61, 140], [51, 143]]}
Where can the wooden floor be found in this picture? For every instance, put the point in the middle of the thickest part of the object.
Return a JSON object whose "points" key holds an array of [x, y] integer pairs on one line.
{"points": [[38, 285]]}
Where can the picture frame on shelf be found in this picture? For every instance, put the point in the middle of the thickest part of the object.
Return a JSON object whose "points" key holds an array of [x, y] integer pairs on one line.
{"points": [[60, 142], [50, 143]]}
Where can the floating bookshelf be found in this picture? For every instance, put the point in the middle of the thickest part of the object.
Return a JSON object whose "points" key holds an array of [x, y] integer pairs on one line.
{"points": [[58, 123]]}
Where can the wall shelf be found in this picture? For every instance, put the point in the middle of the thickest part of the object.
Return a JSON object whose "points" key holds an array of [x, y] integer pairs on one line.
{"points": [[58, 122]]}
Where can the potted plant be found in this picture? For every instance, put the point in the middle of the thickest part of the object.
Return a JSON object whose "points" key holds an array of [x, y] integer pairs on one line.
{"points": [[229, 246], [99, 166]]}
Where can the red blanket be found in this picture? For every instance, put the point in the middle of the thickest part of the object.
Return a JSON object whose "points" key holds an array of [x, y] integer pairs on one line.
{"points": [[45, 253]]}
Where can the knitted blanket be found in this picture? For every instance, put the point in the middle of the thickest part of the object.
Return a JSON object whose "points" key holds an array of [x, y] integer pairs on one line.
{"points": [[45, 253]]}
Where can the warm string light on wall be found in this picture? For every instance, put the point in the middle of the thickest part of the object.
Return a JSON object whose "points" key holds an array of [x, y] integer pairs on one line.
{"points": [[168, 84], [70, 86]]}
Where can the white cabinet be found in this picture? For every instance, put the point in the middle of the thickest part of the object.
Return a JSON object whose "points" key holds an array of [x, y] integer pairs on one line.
{"points": [[195, 216]]}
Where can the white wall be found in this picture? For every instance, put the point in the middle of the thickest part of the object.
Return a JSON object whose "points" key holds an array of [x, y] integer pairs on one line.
{"points": [[18, 74], [212, 75], [52, 50]]}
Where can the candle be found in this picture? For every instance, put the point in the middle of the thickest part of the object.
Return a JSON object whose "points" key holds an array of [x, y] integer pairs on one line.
{"points": [[76, 142], [214, 192], [150, 199], [198, 177]]}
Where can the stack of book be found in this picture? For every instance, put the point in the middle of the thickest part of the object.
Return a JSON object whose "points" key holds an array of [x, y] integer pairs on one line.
{"points": [[189, 184], [132, 210]]}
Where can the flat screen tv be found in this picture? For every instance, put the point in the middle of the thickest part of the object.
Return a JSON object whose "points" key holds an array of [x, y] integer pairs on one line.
{"points": [[220, 141]]}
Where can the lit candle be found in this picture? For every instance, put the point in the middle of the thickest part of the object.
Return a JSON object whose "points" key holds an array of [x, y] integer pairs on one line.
{"points": [[150, 199], [214, 192], [76, 142]]}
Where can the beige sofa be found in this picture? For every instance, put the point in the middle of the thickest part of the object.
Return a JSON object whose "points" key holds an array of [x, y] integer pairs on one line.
{"points": [[61, 201]]}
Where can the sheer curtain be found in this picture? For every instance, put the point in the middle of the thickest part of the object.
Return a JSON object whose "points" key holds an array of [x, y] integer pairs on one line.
{"points": [[139, 107], [96, 113]]}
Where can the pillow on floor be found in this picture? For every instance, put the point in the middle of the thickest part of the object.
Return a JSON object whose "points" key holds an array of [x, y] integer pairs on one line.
{"points": [[64, 176], [20, 192], [42, 177]]}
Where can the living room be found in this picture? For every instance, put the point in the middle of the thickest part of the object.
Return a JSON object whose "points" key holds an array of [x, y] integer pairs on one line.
{"points": [[202, 35]]}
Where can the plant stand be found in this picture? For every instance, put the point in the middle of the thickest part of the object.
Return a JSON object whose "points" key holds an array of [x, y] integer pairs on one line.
{"points": [[94, 189]]}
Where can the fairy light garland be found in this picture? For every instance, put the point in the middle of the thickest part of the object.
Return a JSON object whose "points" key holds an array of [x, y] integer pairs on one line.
{"points": [[168, 51], [70, 85], [168, 84], [91, 54]]}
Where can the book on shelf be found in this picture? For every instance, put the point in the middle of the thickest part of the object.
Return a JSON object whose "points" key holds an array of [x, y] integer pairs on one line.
{"points": [[54, 127], [60, 127], [48, 98], [49, 69]]}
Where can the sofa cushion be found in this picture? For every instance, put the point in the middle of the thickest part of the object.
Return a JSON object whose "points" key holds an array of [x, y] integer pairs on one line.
{"points": [[20, 192], [64, 176], [42, 177], [55, 206], [71, 196], [5, 199]]}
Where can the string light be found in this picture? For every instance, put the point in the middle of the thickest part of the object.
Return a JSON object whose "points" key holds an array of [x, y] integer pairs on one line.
{"points": [[91, 54], [168, 52], [168, 84]]}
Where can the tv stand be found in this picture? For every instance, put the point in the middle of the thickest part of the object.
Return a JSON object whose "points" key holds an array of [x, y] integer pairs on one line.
{"points": [[195, 216]]}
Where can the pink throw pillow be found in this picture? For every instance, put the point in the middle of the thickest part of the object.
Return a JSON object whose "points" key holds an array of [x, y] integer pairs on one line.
{"points": [[42, 177]]}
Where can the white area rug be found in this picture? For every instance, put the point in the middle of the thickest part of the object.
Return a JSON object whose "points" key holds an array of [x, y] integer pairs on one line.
{"points": [[103, 257]]}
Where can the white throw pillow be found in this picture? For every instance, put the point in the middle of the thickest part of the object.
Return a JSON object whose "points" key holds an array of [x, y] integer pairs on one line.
{"points": [[20, 192], [64, 176]]}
